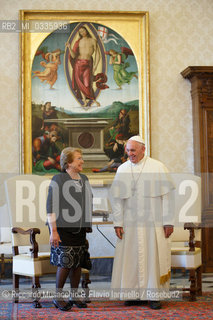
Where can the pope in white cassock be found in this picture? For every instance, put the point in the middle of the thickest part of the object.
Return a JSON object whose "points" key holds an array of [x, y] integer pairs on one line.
{"points": [[143, 220]]}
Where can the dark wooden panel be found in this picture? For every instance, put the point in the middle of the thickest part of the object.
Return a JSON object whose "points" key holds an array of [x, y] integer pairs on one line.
{"points": [[209, 126], [201, 79]]}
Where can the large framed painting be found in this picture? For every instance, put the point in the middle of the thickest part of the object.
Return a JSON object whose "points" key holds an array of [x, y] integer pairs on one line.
{"points": [[84, 84]]}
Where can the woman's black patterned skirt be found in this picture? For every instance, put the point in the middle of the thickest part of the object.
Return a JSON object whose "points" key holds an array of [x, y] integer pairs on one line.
{"points": [[66, 256]]}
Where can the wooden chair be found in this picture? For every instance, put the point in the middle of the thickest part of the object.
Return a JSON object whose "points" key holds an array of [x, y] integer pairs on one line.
{"points": [[186, 240]]}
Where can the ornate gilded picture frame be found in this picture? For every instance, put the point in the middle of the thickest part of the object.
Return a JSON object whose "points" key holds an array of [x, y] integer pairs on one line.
{"points": [[85, 84]]}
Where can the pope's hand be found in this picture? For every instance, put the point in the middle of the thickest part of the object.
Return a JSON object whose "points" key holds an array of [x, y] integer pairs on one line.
{"points": [[119, 232]]}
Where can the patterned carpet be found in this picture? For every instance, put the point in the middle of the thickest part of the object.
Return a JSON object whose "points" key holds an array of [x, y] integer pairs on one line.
{"points": [[200, 309]]}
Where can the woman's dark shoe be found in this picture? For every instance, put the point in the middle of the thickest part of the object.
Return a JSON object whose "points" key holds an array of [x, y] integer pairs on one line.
{"points": [[62, 305], [79, 304]]}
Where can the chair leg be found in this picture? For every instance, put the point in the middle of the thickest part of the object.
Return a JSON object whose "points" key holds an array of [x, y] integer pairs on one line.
{"points": [[35, 287], [192, 279], [2, 266], [85, 281], [199, 281], [16, 287]]}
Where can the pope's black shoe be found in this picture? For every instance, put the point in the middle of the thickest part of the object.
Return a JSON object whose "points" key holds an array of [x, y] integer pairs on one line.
{"points": [[155, 305], [61, 305], [129, 303]]}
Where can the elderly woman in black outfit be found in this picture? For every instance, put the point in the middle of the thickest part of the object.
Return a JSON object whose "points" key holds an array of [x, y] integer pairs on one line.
{"points": [[69, 209]]}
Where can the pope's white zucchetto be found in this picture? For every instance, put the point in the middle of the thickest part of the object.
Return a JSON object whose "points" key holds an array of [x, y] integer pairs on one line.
{"points": [[138, 139]]}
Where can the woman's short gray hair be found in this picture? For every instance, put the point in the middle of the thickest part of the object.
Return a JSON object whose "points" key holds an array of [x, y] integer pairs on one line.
{"points": [[67, 155]]}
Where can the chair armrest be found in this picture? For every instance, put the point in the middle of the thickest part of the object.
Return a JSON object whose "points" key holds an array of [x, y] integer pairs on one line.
{"points": [[32, 232], [192, 227]]}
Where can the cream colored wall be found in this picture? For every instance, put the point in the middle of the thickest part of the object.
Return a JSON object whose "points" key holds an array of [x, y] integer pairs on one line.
{"points": [[180, 36]]}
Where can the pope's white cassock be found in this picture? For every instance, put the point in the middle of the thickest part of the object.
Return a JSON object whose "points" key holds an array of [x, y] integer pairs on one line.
{"points": [[141, 196]]}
